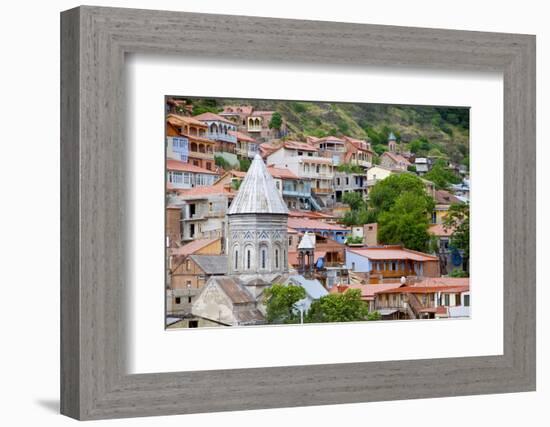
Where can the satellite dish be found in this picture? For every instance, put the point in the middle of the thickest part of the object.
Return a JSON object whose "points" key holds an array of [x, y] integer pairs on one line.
{"points": [[403, 280]]}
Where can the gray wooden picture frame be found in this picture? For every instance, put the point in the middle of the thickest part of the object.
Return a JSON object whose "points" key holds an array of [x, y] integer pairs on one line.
{"points": [[94, 42]]}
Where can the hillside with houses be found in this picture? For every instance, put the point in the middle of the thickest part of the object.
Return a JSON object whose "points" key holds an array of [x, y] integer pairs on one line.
{"points": [[294, 212]]}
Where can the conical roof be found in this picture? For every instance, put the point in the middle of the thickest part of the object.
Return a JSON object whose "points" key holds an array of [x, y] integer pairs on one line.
{"points": [[258, 193], [392, 137], [307, 242]]}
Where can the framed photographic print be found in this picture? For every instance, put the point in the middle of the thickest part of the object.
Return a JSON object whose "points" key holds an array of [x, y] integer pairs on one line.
{"points": [[286, 213]]}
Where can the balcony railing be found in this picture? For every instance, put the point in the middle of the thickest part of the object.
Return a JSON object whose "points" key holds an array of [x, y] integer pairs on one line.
{"points": [[199, 155], [394, 273], [322, 190], [220, 136]]}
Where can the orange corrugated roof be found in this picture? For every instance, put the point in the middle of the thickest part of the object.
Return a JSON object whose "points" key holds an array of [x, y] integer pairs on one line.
{"points": [[393, 253], [206, 191], [241, 136], [281, 173], [192, 247], [178, 120], [425, 289], [298, 145], [176, 165]]}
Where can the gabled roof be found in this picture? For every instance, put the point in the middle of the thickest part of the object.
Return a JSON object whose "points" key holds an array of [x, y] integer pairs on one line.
{"points": [[192, 247], [443, 197], [236, 293], [398, 158], [177, 120], [330, 138], [234, 109], [211, 117], [258, 193], [211, 264]]}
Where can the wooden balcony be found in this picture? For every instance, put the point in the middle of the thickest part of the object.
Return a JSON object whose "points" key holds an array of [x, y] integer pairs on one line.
{"points": [[394, 273], [199, 155]]}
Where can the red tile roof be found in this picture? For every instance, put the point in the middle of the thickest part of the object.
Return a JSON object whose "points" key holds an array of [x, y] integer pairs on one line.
{"points": [[393, 253], [176, 165], [210, 190], [398, 158], [232, 109], [178, 120], [281, 173], [312, 224], [298, 145], [213, 117], [444, 197], [425, 290], [241, 136]]}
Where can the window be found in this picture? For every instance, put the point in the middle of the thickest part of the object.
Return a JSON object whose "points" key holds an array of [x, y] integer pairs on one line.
{"points": [[188, 264], [193, 323], [353, 266], [178, 300], [446, 300], [189, 300], [394, 266], [236, 259], [263, 252], [210, 207], [290, 241], [276, 258], [248, 258], [466, 300]]}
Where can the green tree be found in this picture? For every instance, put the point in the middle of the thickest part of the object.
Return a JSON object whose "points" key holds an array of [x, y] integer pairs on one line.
{"points": [[406, 222], [280, 303], [354, 200], [458, 220], [244, 164], [276, 121], [441, 176], [221, 162], [345, 307], [385, 193]]}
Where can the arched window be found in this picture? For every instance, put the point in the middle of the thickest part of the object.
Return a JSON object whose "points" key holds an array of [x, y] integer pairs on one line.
{"points": [[277, 258], [263, 254], [248, 259], [236, 260], [194, 146]]}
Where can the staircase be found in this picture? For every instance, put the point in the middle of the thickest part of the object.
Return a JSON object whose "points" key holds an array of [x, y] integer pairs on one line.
{"points": [[314, 204], [413, 307]]}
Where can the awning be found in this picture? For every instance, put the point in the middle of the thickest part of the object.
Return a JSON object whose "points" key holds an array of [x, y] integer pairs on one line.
{"points": [[387, 311]]}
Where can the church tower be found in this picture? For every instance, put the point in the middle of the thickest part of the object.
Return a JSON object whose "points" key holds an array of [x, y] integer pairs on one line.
{"points": [[392, 143], [257, 221]]}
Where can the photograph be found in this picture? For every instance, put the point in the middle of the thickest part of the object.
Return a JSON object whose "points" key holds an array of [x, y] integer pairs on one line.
{"points": [[294, 212]]}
